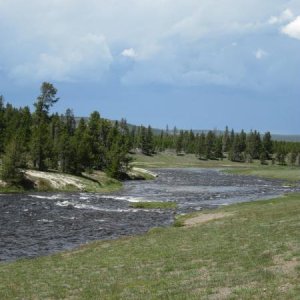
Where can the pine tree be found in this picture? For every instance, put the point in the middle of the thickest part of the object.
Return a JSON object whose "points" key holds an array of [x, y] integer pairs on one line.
{"points": [[201, 146], [11, 162], [263, 158], [235, 153], [146, 140], [40, 141], [150, 140], [83, 152], [179, 143], [226, 140], [210, 145], [2, 124], [95, 143], [267, 144], [219, 147]]}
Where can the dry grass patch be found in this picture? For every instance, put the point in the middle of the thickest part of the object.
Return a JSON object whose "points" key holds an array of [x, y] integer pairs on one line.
{"points": [[285, 267], [222, 293], [203, 218]]}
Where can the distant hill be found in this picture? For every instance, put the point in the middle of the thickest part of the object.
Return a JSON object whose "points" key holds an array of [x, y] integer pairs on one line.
{"points": [[287, 138]]}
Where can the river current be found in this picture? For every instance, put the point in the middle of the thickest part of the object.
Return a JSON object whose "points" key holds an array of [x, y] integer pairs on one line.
{"points": [[42, 223]]}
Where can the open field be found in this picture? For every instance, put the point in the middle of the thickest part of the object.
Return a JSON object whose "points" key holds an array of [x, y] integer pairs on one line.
{"points": [[245, 251], [291, 174], [171, 160]]}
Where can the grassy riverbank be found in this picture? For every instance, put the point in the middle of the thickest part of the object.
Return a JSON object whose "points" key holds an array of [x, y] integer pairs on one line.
{"points": [[290, 174], [154, 205], [171, 160], [248, 251]]}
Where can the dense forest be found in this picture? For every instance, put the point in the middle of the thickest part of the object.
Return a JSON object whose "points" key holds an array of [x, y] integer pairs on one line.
{"points": [[44, 141]]}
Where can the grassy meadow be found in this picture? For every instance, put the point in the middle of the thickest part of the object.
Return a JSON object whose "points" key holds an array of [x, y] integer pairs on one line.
{"points": [[288, 173], [253, 252], [171, 160]]}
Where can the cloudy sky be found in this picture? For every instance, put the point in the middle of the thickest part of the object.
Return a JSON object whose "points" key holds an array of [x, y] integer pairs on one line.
{"points": [[193, 64]]}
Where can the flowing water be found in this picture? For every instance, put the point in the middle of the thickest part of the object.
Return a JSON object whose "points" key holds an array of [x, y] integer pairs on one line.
{"points": [[42, 223]]}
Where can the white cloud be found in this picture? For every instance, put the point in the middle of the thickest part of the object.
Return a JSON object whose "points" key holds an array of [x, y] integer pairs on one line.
{"points": [[285, 16], [84, 58], [293, 29], [260, 54], [171, 41], [130, 52]]}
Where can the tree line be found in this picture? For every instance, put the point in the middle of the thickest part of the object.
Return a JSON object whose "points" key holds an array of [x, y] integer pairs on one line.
{"points": [[45, 141], [212, 145]]}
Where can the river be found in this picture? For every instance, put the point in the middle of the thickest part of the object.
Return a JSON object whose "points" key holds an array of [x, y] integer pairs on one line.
{"points": [[43, 223]]}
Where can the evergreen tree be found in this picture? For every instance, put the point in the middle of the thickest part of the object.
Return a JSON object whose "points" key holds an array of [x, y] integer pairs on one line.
{"points": [[210, 145], [179, 143], [150, 140], [268, 145], [226, 140], [190, 143], [94, 139], [281, 155], [263, 158], [201, 146], [254, 145], [40, 141], [235, 153], [146, 140], [2, 124], [83, 157], [242, 141], [11, 162], [219, 147]]}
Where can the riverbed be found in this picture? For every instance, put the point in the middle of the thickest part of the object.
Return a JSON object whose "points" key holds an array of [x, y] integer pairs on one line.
{"points": [[43, 223]]}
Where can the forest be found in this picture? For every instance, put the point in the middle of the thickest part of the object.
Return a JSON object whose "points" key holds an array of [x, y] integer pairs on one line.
{"points": [[48, 141]]}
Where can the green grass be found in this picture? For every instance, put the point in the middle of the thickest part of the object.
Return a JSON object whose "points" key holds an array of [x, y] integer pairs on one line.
{"points": [[171, 160], [99, 182], [291, 174], [154, 205], [252, 254]]}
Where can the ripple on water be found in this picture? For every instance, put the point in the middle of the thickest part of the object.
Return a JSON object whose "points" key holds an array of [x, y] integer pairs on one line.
{"points": [[39, 224], [52, 197]]}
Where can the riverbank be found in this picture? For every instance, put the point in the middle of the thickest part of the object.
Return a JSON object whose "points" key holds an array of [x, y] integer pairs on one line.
{"points": [[249, 251], [171, 160], [290, 174], [95, 182]]}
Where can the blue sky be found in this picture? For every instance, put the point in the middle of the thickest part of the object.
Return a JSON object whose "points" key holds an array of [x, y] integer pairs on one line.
{"points": [[194, 64]]}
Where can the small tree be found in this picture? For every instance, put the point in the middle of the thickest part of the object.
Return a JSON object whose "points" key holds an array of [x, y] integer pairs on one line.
{"points": [[179, 142], [263, 158], [11, 161], [268, 144]]}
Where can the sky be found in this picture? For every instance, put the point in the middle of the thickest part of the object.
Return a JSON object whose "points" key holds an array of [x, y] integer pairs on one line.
{"points": [[194, 64]]}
